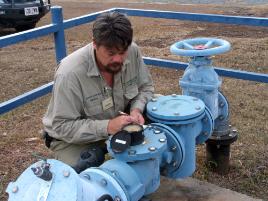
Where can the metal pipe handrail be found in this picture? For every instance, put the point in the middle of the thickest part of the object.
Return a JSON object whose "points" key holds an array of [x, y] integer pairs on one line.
{"points": [[59, 25]]}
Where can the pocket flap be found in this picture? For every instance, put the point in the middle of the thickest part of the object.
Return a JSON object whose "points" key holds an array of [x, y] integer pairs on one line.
{"points": [[131, 92], [93, 108]]}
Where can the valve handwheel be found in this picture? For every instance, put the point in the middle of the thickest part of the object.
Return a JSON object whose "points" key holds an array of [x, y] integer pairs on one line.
{"points": [[200, 47]]}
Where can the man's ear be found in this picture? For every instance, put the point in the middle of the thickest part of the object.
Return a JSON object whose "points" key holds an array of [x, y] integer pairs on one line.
{"points": [[94, 43]]}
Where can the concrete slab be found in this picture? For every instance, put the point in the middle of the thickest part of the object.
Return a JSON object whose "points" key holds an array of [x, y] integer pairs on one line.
{"points": [[194, 190]]}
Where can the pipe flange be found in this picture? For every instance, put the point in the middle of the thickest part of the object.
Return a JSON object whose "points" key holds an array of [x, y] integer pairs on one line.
{"points": [[153, 146], [29, 187], [107, 181], [208, 126], [175, 108], [223, 114], [224, 139], [176, 151]]}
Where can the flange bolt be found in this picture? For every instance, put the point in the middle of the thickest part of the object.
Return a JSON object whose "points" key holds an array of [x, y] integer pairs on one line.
{"points": [[151, 148], [15, 189], [162, 140], [66, 173]]}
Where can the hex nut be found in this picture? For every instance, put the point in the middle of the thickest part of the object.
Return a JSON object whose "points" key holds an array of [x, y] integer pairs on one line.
{"points": [[131, 152], [103, 182], [117, 198]]}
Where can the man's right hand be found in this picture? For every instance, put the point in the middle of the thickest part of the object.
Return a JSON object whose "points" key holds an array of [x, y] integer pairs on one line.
{"points": [[116, 124]]}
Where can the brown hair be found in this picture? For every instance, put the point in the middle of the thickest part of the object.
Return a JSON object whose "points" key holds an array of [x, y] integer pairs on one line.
{"points": [[113, 29]]}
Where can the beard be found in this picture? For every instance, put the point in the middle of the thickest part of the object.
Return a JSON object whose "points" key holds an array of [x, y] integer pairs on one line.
{"points": [[113, 67]]}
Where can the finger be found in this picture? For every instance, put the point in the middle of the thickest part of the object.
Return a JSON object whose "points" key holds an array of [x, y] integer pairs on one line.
{"points": [[128, 119], [141, 119]]}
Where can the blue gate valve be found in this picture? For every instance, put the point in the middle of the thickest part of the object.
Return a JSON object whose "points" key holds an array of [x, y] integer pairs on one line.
{"points": [[200, 80]]}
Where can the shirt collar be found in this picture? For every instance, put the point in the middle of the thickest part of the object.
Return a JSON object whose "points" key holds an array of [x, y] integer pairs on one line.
{"points": [[93, 69], [92, 65]]}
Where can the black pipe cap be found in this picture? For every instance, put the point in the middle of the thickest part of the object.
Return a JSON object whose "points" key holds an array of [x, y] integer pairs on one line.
{"points": [[120, 141]]}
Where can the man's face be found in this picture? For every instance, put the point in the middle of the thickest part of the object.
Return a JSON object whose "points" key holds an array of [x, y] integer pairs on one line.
{"points": [[110, 59]]}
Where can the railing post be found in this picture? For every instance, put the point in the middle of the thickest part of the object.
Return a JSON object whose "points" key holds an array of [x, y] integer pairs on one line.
{"points": [[59, 38]]}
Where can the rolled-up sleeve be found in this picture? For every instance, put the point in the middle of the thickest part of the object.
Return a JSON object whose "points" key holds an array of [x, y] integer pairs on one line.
{"points": [[145, 84]]}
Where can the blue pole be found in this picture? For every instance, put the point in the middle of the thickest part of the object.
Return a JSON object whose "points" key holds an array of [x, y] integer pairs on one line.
{"points": [[59, 38]]}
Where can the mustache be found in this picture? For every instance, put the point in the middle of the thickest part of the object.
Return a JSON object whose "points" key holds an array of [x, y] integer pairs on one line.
{"points": [[116, 64]]}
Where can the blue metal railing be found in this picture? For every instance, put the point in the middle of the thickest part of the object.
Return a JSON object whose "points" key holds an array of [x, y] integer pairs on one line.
{"points": [[59, 25], [239, 20]]}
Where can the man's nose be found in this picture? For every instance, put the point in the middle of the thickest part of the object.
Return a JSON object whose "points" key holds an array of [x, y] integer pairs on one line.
{"points": [[118, 58]]}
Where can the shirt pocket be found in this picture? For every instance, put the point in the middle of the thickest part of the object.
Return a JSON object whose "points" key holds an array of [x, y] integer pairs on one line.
{"points": [[93, 108], [131, 92]]}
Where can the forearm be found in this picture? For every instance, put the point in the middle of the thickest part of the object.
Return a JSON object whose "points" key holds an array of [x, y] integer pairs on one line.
{"points": [[80, 131]]}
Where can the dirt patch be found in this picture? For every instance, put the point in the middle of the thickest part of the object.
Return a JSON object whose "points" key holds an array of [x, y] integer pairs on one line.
{"points": [[31, 64]]}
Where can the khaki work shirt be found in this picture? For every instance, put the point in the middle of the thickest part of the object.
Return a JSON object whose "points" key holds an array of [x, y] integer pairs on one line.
{"points": [[75, 113]]}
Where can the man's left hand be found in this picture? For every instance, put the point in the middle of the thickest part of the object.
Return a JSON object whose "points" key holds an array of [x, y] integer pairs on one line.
{"points": [[137, 115]]}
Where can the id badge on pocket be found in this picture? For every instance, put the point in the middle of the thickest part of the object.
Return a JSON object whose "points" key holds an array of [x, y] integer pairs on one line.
{"points": [[107, 103]]}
